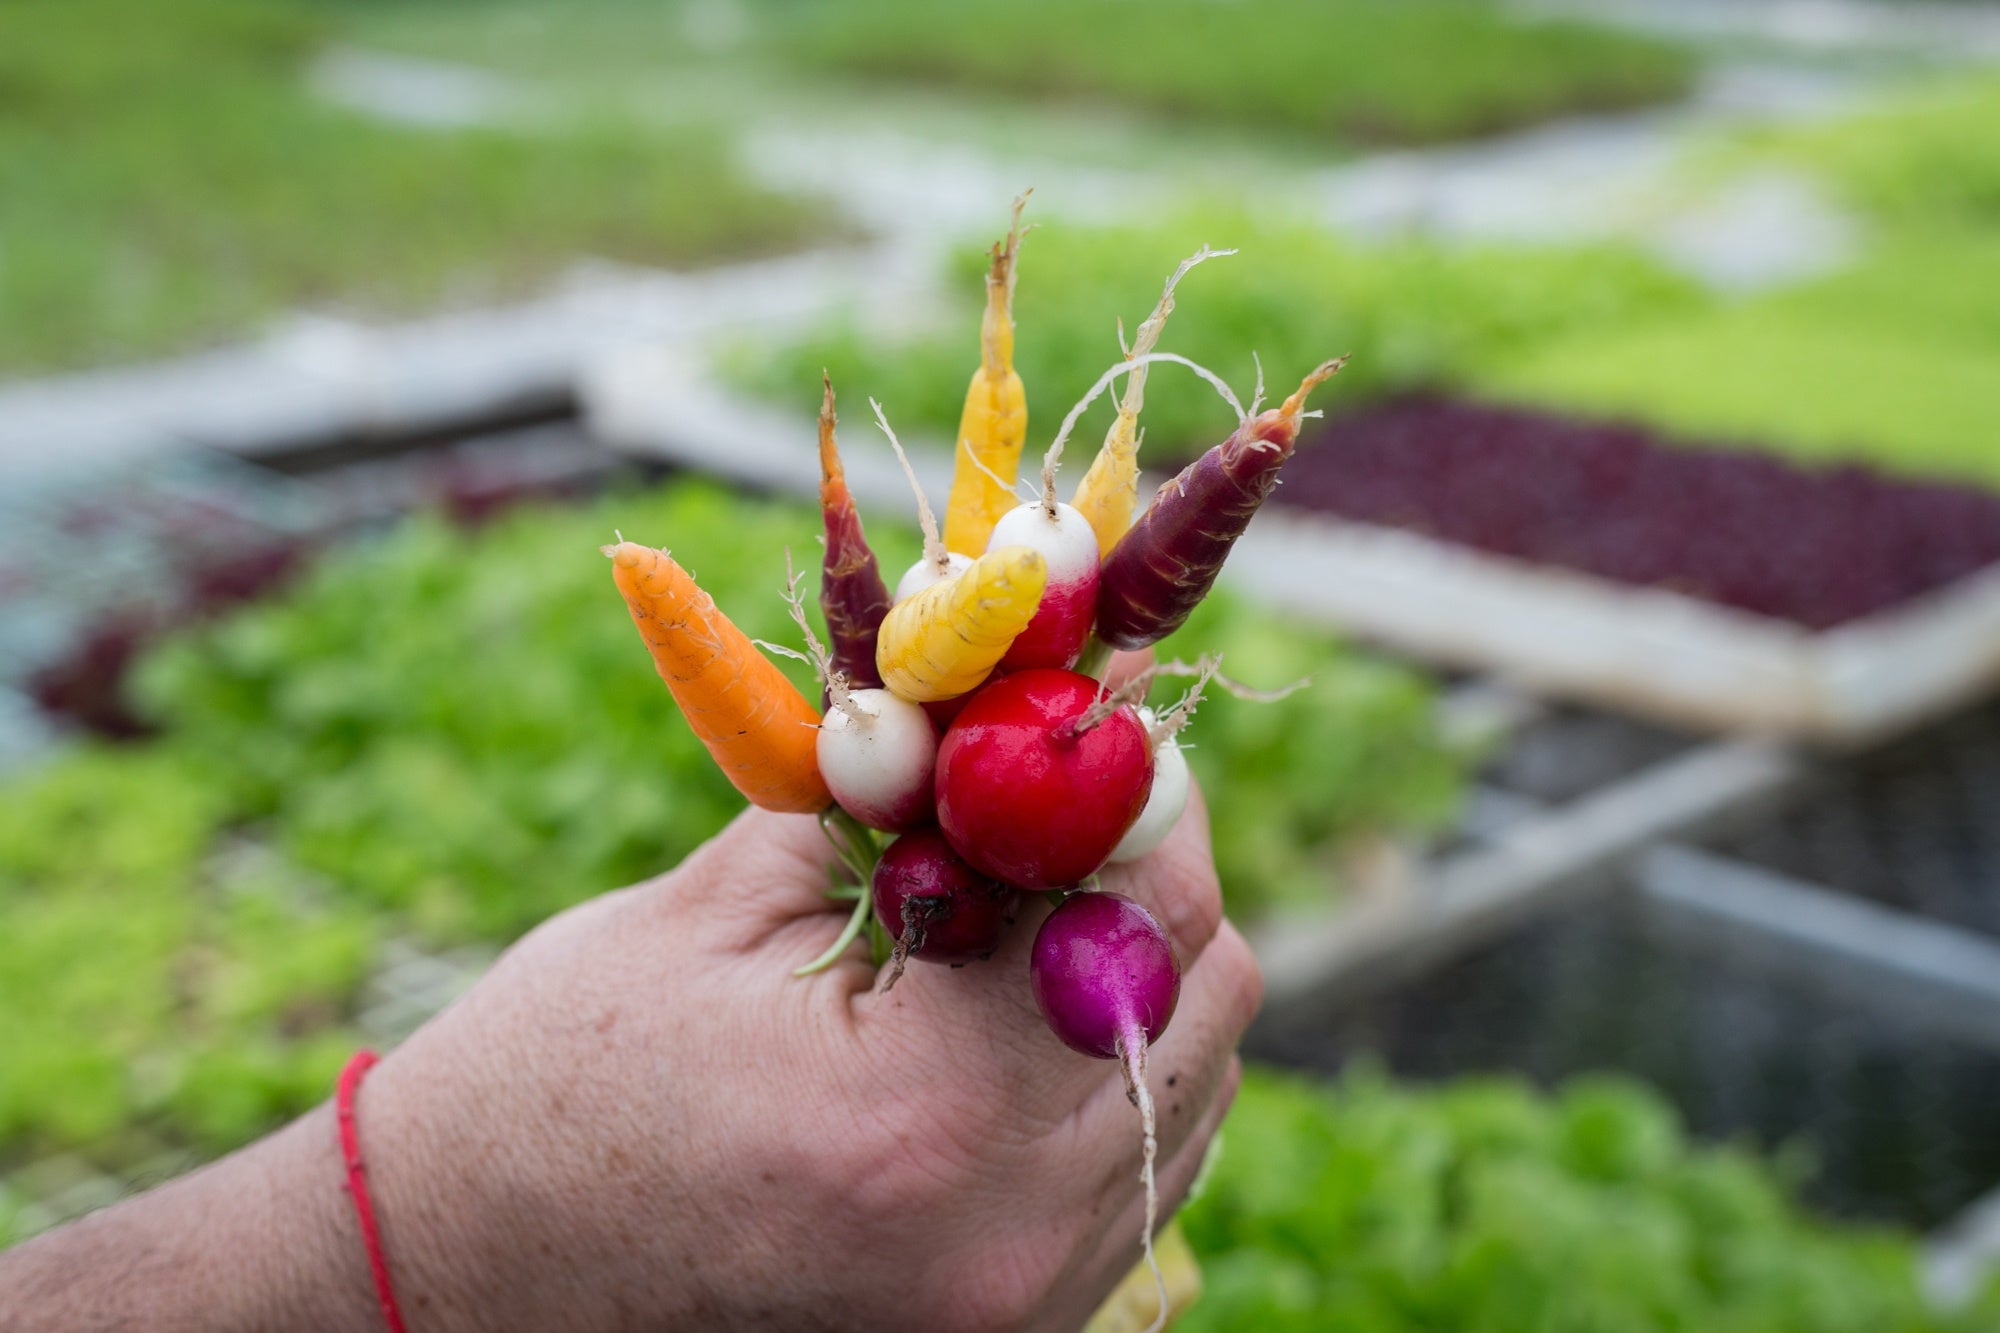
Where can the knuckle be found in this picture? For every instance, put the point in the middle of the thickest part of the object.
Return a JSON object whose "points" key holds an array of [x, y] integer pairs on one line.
{"points": [[1241, 973], [1002, 1292], [1190, 898]]}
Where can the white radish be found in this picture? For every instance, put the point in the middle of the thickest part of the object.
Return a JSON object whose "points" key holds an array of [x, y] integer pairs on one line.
{"points": [[1065, 539], [927, 571], [936, 564], [1165, 804], [876, 753]]}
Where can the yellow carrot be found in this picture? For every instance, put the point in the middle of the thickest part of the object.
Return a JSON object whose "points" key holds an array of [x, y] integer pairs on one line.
{"points": [[755, 723], [944, 641], [1108, 492], [994, 424]]}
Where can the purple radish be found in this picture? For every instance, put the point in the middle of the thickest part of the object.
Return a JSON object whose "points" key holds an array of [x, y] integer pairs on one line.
{"points": [[1165, 564], [937, 907], [851, 591], [1106, 980]]}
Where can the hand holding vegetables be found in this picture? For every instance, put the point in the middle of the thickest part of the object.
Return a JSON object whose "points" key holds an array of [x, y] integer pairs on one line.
{"points": [[639, 1117], [991, 745]]}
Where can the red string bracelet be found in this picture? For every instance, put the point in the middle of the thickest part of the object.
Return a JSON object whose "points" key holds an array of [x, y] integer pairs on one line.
{"points": [[357, 1185]]}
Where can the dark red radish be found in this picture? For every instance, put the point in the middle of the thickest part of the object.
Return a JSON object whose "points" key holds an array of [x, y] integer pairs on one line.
{"points": [[938, 908], [1161, 569], [851, 591], [1055, 637], [1106, 981], [1040, 776], [942, 711]]}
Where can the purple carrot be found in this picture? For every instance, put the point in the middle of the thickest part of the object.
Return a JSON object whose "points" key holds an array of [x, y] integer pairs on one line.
{"points": [[1161, 569], [851, 591]]}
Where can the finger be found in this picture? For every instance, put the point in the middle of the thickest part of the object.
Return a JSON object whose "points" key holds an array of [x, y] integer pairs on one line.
{"points": [[1190, 1062], [981, 1020], [1177, 882], [746, 884], [1124, 666]]}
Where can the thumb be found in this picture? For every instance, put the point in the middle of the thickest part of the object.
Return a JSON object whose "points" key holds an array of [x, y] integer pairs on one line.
{"points": [[761, 873]]}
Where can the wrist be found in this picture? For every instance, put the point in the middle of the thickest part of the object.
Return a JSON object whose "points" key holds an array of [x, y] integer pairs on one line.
{"points": [[454, 1256]]}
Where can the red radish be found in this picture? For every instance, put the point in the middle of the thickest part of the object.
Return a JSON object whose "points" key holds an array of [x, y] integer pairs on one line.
{"points": [[876, 754], [1054, 638], [1165, 564], [1040, 776], [937, 907], [1165, 803], [942, 711], [1106, 980]]}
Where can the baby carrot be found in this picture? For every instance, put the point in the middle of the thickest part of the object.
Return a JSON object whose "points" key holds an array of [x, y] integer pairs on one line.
{"points": [[1161, 569], [994, 424], [759, 728], [1109, 490], [851, 592], [946, 640]]}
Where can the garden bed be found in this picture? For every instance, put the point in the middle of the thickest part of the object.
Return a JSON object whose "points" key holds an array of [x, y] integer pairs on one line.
{"points": [[1711, 588], [1898, 1118]]}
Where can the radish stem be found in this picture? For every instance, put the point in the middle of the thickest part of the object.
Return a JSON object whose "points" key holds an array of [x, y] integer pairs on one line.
{"points": [[855, 846], [855, 921], [1095, 659]]}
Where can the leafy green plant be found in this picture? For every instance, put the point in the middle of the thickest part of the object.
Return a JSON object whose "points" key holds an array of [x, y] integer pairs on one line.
{"points": [[1927, 160], [1362, 71], [182, 183], [139, 953], [1888, 364], [1485, 1205], [1413, 314], [456, 734]]}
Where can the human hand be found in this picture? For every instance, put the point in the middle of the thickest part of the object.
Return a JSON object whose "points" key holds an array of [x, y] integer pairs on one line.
{"points": [[641, 1118]]}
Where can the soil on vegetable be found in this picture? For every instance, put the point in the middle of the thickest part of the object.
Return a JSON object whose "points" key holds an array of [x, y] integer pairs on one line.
{"points": [[1892, 1120], [1817, 547]]}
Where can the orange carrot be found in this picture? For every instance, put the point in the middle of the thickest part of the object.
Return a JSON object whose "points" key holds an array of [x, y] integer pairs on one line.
{"points": [[759, 728]]}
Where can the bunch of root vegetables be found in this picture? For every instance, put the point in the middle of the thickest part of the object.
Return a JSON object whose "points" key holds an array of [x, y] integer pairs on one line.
{"points": [[969, 750]]}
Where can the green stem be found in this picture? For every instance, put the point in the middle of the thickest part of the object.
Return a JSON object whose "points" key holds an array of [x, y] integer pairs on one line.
{"points": [[1095, 660], [856, 919], [854, 843]]}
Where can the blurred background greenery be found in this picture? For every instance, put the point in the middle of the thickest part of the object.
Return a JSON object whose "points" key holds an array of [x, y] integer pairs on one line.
{"points": [[439, 733]]}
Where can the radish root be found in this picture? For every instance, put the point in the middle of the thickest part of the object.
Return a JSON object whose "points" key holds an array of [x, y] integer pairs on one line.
{"points": [[1003, 273], [816, 656], [935, 555], [1148, 337], [1293, 406], [1132, 1057], [918, 913], [1053, 458], [1175, 718], [1235, 689]]}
